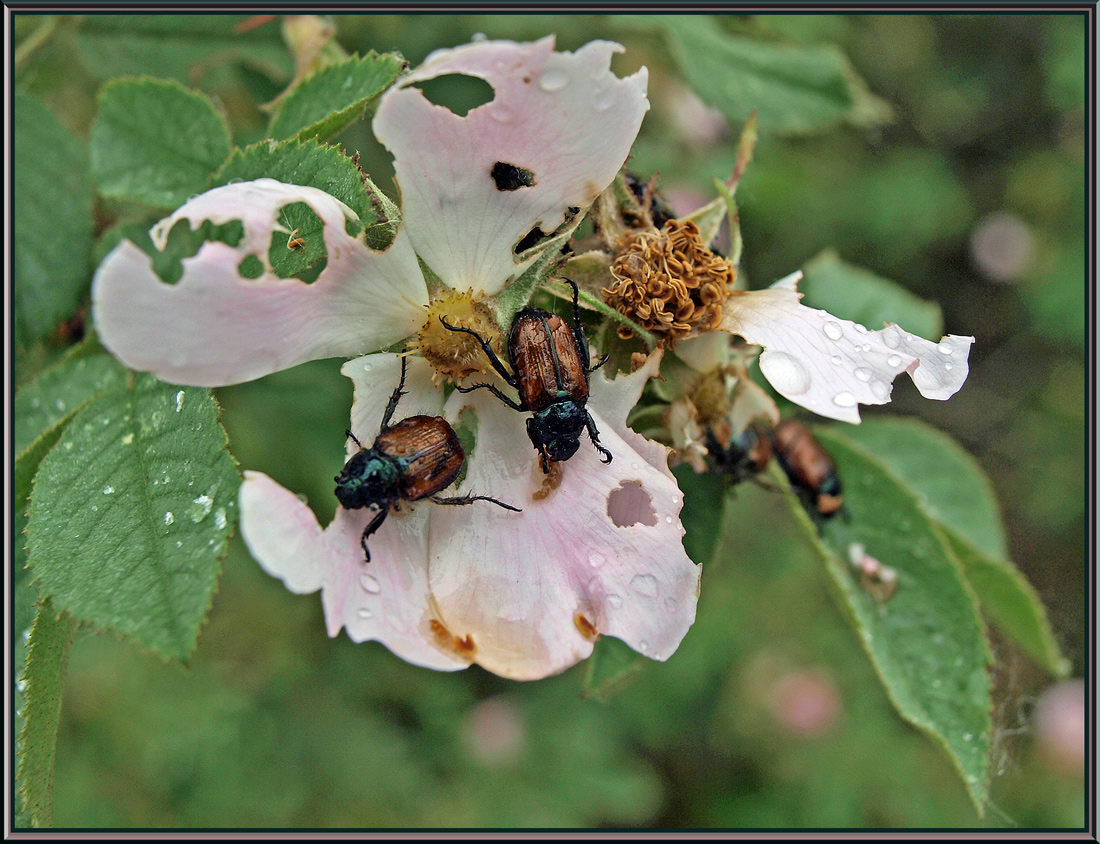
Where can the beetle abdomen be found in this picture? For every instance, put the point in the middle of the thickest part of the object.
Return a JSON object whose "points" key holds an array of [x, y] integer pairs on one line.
{"points": [[433, 453], [548, 365], [807, 465]]}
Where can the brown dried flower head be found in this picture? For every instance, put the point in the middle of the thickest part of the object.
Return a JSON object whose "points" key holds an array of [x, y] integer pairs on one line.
{"points": [[669, 282]]}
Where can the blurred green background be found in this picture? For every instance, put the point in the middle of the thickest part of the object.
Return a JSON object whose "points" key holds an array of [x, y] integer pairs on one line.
{"points": [[769, 715]]}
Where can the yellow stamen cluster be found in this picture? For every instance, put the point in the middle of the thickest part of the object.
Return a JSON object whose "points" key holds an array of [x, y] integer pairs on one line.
{"points": [[669, 282], [454, 354]]}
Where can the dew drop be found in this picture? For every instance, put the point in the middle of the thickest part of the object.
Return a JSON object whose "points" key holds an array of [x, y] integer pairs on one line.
{"points": [[370, 584], [837, 360], [365, 613], [596, 559], [863, 374], [129, 438], [866, 347], [107, 490], [785, 372], [553, 80], [169, 518], [21, 684], [890, 336], [635, 465], [501, 113], [832, 331], [670, 604], [179, 401], [60, 405], [643, 646], [945, 346], [367, 367], [669, 519], [968, 737], [844, 399], [947, 366], [893, 360], [604, 100], [614, 600], [880, 390], [862, 329], [644, 584], [219, 518]]}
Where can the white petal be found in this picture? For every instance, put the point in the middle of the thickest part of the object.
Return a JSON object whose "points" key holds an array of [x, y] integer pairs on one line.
{"points": [[385, 600], [375, 378], [215, 327], [531, 588], [563, 116], [832, 365]]}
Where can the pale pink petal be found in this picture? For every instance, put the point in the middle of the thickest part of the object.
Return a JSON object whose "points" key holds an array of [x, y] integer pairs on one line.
{"points": [[603, 552], [375, 378], [563, 116], [832, 365], [385, 600], [215, 327]]}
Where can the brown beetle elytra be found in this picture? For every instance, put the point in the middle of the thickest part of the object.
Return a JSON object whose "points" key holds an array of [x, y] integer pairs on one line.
{"points": [[810, 470], [550, 371], [412, 460]]}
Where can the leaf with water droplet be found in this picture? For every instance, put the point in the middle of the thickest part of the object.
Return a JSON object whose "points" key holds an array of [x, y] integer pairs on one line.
{"points": [[327, 102], [119, 566], [930, 628]]}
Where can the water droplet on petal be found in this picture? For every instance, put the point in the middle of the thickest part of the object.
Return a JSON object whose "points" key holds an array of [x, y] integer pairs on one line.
{"points": [[370, 584], [947, 366], [635, 465], [367, 367], [365, 613], [643, 646], [866, 347], [862, 329], [945, 346], [837, 360], [614, 600], [844, 399], [553, 80], [832, 331], [890, 336], [893, 360], [644, 584], [785, 372], [669, 519], [863, 374], [880, 390], [604, 100], [596, 559], [501, 113]]}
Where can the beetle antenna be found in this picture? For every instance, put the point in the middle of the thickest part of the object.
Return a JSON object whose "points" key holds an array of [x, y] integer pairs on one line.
{"points": [[495, 392], [353, 437], [493, 359]]}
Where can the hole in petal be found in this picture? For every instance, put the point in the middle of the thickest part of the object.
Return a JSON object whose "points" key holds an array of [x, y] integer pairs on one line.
{"points": [[456, 92], [182, 243], [510, 177], [302, 253], [251, 267], [630, 504], [447, 640], [530, 239]]}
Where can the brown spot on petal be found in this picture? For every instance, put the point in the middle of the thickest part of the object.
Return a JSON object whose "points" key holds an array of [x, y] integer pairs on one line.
{"points": [[587, 628], [448, 641], [549, 481]]}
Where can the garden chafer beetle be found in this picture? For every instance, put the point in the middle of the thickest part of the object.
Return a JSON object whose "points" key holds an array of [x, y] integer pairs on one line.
{"points": [[550, 371], [738, 457], [415, 459], [808, 467]]}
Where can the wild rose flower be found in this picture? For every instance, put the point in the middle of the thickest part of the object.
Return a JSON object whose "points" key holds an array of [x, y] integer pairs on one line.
{"points": [[597, 549]]}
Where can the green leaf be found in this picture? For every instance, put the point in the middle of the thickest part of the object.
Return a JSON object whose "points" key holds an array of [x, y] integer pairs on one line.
{"points": [[181, 47], [156, 142], [131, 511], [47, 657], [58, 391], [1012, 604], [52, 205], [927, 643], [612, 667], [326, 103], [857, 294], [323, 167], [792, 88], [946, 479]]}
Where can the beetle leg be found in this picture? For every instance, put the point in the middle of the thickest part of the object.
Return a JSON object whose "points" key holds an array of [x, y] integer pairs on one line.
{"points": [[493, 359], [576, 303], [603, 360], [496, 392], [396, 397], [594, 434], [544, 460], [470, 499], [375, 523]]}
